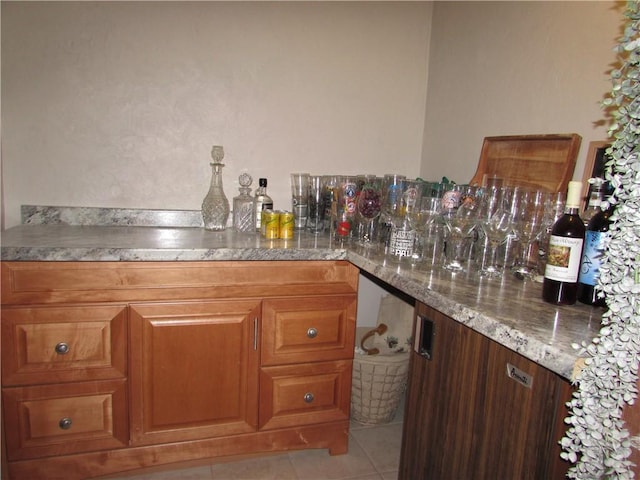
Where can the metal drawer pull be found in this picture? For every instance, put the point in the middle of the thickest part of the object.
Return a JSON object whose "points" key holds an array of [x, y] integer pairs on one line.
{"points": [[308, 397], [65, 423], [62, 348], [312, 333]]}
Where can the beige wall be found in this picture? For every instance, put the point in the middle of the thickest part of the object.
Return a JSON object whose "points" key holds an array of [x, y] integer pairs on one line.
{"points": [[507, 68], [117, 104]]}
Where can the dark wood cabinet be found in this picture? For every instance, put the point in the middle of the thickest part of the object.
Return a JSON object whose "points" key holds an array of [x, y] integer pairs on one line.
{"points": [[477, 410]]}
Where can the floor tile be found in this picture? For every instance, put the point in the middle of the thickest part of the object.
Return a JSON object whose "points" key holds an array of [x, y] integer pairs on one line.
{"points": [[382, 445], [265, 468], [319, 465]]}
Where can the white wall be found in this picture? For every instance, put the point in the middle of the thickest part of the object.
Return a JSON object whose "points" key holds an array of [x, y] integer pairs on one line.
{"points": [[117, 104], [507, 68]]}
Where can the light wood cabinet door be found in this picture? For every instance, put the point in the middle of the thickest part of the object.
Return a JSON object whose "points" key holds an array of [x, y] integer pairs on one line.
{"points": [[308, 329], [477, 410], [194, 370], [43, 345], [51, 420]]}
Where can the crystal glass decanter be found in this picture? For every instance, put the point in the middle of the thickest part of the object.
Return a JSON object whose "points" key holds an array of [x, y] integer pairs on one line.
{"points": [[243, 220], [215, 206]]}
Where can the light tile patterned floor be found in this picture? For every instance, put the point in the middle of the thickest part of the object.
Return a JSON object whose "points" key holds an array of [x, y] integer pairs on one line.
{"points": [[374, 454]]}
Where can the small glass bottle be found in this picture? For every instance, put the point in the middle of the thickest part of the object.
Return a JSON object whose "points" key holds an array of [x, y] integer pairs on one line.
{"points": [[261, 202], [243, 212], [564, 254], [215, 206]]}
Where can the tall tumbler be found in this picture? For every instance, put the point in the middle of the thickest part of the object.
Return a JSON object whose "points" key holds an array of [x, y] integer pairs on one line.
{"points": [[392, 185], [300, 198], [315, 220], [343, 216]]}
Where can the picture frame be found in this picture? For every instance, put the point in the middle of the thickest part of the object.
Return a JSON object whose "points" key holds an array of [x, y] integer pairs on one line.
{"points": [[594, 166]]}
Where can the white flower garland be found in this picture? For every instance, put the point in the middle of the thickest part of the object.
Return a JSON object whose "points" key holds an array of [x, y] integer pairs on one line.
{"points": [[597, 442]]}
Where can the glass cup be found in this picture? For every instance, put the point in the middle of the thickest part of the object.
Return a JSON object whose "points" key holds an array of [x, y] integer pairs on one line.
{"points": [[530, 223], [299, 198], [392, 185], [429, 240], [404, 222], [368, 207], [344, 213], [316, 208], [330, 197]]}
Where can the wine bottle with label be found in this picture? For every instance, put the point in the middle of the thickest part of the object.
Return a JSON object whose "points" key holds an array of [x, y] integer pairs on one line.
{"points": [[596, 234], [564, 254]]}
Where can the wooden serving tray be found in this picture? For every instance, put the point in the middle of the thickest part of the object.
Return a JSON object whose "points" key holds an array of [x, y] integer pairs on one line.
{"points": [[543, 162]]}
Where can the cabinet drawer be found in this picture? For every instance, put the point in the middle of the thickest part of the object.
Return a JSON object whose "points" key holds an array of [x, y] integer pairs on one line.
{"points": [[293, 395], [63, 344], [308, 329], [62, 419]]}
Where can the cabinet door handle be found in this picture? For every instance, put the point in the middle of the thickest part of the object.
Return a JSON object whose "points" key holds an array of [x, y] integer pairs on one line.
{"points": [[312, 333], [255, 333], [308, 397], [65, 423], [62, 348], [424, 337]]}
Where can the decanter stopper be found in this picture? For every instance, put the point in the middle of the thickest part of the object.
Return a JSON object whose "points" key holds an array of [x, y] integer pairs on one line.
{"points": [[215, 206]]}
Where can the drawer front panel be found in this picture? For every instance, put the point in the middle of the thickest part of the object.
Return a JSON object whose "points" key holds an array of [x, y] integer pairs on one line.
{"points": [[305, 394], [62, 282], [62, 419], [63, 344], [308, 329]]}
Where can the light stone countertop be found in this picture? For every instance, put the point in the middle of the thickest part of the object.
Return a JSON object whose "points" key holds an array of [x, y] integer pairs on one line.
{"points": [[507, 310]]}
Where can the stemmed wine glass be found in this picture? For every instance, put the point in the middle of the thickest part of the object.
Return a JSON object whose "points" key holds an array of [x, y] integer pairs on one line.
{"points": [[496, 223], [368, 207], [459, 228], [530, 224]]}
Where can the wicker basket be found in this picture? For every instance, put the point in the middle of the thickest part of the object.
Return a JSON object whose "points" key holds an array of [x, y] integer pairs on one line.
{"points": [[379, 381]]}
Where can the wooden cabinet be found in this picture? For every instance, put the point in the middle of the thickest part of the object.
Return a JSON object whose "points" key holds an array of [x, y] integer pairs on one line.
{"points": [[477, 410], [115, 366]]}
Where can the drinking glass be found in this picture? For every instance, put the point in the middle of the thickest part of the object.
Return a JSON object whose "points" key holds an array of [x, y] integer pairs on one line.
{"points": [[530, 225], [392, 185], [368, 207], [316, 208], [459, 231], [343, 216], [402, 233], [299, 198], [496, 223], [429, 227]]}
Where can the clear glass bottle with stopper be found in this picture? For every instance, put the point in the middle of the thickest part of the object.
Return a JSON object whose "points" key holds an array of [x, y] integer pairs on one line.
{"points": [[243, 211], [215, 206]]}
